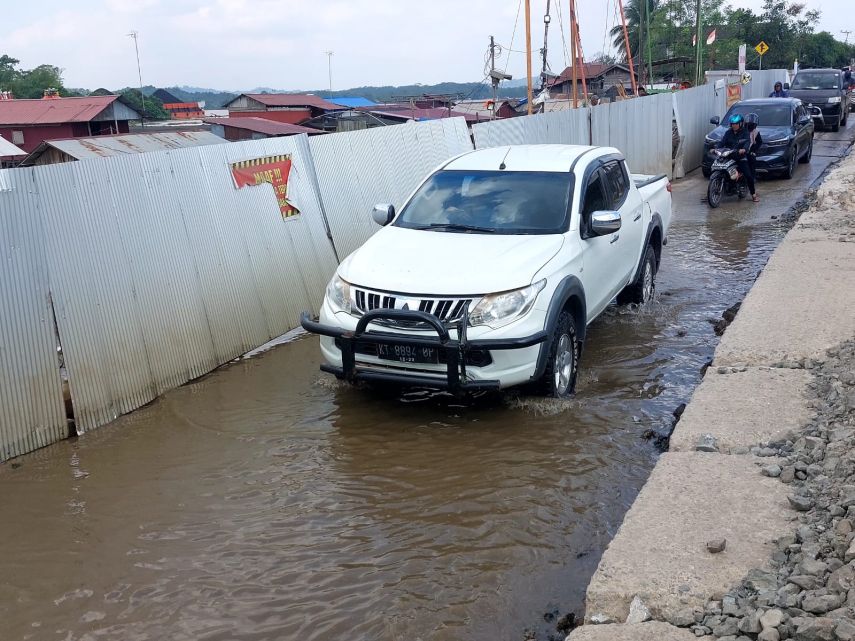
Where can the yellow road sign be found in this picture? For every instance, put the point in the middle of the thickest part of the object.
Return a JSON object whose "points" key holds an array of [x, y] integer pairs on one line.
{"points": [[761, 48]]}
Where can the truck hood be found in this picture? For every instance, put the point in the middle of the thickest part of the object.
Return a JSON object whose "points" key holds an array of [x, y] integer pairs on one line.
{"points": [[434, 263]]}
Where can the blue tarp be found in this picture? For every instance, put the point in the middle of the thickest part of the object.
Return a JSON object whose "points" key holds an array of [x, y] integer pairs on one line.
{"points": [[352, 102]]}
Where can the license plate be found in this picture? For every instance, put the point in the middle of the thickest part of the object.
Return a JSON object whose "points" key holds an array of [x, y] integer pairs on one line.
{"points": [[407, 353]]}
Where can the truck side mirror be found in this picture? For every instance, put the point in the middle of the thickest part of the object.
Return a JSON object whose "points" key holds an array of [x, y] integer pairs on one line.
{"points": [[786, 85], [383, 214], [715, 120], [604, 223]]}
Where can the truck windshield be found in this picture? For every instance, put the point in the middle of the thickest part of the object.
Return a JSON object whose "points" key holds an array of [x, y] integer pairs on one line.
{"points": [[500, 202], [807, 80]]}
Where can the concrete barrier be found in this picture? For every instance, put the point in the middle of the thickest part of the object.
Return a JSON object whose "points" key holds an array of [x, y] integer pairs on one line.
{"points": [[752, 395]]}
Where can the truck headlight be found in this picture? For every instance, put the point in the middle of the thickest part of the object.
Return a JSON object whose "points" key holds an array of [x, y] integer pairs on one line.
{"points": [[834, 100], [498, 310], [338, 293]]}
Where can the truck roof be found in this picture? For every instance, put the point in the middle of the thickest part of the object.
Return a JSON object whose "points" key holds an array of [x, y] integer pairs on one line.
{"points": [[524, 157]]}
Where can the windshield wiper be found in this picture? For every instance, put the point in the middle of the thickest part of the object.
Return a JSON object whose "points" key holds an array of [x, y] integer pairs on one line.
{"points": [[457, 227]]}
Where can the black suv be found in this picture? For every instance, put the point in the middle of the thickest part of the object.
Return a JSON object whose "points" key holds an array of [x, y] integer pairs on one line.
{"points": [[823, 88]]}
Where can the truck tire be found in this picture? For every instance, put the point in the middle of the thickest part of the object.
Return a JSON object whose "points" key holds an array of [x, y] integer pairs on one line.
{"points": [[559, 377], [641, 290]]}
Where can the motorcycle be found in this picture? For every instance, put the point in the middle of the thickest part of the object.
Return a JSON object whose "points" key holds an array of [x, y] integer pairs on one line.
{"points": [[725, 178]]}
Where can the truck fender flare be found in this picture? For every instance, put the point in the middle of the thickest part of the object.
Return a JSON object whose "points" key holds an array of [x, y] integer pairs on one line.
{"points": [[655, 223], [569, 288]]}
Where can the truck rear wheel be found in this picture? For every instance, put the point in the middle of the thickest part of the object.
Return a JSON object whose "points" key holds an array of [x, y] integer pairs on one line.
{"points": [[641, 290], [559, 377]]}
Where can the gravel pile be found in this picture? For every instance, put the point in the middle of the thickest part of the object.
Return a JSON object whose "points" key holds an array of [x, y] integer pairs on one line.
{"points": [[809, 593]]}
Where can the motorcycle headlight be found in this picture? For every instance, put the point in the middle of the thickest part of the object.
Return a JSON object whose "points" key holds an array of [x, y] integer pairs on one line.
{"points": [[834, 100], [498, 310], [338, 293]]}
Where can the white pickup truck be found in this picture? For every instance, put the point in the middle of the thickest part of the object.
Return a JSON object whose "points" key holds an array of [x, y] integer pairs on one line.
{"points": [[492, 270]]}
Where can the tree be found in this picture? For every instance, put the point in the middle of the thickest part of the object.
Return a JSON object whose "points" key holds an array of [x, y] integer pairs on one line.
{"points": [[153, 107], [29, 83]]}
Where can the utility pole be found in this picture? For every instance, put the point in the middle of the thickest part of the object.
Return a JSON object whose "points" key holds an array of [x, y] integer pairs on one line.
{"points": [[846, 32], [628, 52], [528, 53], [579, 54], [329, 69], [649, 55], [573, 54], [698, 55], [135, 35], [493, 79]]}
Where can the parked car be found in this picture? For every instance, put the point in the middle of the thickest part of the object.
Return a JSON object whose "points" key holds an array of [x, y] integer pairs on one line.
{"points": [[492, 270], [787, 130], [823, 88]]}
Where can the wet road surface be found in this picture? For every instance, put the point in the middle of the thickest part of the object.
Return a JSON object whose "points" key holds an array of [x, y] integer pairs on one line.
{"points": [[266, 501]]}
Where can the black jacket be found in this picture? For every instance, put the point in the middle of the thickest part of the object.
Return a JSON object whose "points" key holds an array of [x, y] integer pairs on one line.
{"points": [[735, 140]]}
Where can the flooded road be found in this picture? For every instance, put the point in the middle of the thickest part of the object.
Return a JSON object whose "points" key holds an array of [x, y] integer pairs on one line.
{"points": [[266, 501]]}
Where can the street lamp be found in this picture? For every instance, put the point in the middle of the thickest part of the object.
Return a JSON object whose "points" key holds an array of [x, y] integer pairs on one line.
{"points": [[329, 68], [135, 35]]}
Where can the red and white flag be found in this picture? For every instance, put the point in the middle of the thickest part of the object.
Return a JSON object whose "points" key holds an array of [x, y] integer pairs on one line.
{"points": [[711, 37]]}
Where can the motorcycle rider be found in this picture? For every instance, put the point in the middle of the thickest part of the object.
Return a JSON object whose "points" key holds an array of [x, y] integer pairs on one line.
{"points": [[737, 138], [751, 122], [779, 91]]}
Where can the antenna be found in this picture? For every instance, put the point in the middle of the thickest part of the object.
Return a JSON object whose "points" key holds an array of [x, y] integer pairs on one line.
{"points": [[847, 32], [135, 35]]}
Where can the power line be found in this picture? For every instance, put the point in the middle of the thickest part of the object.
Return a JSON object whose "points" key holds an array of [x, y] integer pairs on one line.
{"points": [[513, 34]]}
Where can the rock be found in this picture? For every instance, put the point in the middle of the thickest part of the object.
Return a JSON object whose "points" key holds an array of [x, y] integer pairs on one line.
{"points": [[728, 606], [841, 579], [707, 443], [845, 630], [761, 581], [716, 545], [773, 471], [804, 581], [820, 604], [601, 619], [812, 567], [769, 634], [850, 552], [728, 627], [638, 612], [788, 474], [771, 618], [751, 623], [814, 629], [800, 503], [683, 618]]}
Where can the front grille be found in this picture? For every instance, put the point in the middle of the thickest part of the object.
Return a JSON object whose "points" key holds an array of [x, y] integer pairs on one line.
{"points": [[446, 308]]}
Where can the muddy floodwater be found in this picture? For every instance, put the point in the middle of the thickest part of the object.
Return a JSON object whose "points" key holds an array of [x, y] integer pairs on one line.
{"points": [[267, 501]]}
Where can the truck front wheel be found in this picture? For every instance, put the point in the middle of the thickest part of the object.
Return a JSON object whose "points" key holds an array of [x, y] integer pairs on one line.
{"points": [[559, 378], [641, 290]]}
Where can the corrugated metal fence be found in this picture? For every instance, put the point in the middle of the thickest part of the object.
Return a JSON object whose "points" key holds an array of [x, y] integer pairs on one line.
{"points": [[641, 129], [693, 109], [157, 269]]}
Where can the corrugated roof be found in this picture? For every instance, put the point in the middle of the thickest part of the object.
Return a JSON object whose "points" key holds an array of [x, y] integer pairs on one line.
{"points": [[8, 149], [103, 146], [53, 112], [409, 113], [290, 100], [353, 101], [262, 126], [592, 70]]}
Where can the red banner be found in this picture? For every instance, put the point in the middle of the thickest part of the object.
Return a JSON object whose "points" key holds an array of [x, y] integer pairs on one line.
{"points": [[271, 169]]}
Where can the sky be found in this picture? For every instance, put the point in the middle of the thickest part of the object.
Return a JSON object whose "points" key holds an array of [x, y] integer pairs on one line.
{"points": [[243, 44]]}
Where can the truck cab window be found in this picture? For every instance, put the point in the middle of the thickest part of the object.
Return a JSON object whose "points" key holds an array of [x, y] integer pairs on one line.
{"points": [[594, 199]]}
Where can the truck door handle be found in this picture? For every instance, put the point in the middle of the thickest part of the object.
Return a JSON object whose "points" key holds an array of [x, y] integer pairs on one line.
{"points": [[614, 239], [637, 216]]}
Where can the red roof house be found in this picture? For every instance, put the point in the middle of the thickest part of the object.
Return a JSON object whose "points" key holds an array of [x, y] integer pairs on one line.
{"points": [[281, 107], [235, 129], [28, 123]]}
